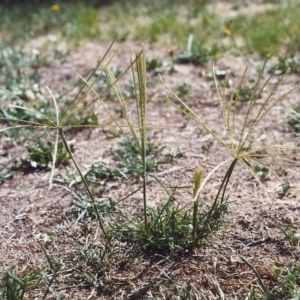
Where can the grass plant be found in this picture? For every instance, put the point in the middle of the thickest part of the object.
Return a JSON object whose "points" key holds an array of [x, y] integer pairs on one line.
{"points": [[169, 227], [173, 228], [286, 64], [241, 138]]}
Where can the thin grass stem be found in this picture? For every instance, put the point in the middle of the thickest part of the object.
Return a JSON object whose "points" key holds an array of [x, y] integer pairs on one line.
{"points": [[141, 106], [85, 184]]}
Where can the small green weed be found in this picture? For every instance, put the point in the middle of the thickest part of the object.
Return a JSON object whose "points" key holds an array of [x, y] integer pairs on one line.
{"points": [[183, 90], [103, 171], [286, 187], [291, 234], [282, 172], [129, 162], [245, 93], [40, 156], [5, 176], [294, 119], [83, 207], [154, 64], [285, 64], [288, 277], [96, 177], [198, 53], [261, 172], [206, 147], [159, 66]]}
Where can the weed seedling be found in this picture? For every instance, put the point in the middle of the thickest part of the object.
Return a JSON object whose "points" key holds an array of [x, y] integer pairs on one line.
{"points": [[291, 234], [206, 147], [40, 156], [294, 119], [129, 161], [261, 172], [4, 177], [284, 65]]}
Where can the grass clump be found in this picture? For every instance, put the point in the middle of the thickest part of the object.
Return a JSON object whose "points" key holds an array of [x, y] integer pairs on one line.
{"points": [[168, 227], [172, 227]]}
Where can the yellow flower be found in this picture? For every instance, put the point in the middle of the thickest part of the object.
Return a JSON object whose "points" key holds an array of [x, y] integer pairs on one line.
{"points": [[226, 31], [55, 7]]}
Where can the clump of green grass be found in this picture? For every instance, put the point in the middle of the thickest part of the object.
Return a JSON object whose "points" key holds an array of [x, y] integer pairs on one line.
{"points": [[16, 285], [172, 227]]}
